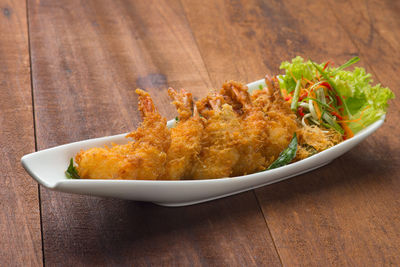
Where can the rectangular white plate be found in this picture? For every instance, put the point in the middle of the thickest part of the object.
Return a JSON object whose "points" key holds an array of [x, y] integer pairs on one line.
{"points": [[47, 167]]}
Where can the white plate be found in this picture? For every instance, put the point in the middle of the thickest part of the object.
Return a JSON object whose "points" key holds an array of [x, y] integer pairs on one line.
{"points": [[47, 167]]}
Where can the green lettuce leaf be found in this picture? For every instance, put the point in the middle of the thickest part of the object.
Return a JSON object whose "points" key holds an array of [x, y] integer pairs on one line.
{"points": [[297, 68], [363, 100]]}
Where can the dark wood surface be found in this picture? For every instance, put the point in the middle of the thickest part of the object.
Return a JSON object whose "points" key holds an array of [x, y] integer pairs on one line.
{"points": [[87, 57]]}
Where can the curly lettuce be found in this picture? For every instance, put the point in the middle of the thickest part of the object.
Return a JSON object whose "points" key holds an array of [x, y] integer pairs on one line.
{"points": [[297, 69], [366, 102]]}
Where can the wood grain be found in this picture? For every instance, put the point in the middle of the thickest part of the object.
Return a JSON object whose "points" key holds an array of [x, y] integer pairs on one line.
{"points": [[244, 40], [347, 212], [87, 57], [20, 241]]}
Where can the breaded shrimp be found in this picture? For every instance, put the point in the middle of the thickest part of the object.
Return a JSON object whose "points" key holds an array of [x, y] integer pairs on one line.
{"points": [[254, 128], [282, 122], [220, 139], [144, 158], [186, 137]]}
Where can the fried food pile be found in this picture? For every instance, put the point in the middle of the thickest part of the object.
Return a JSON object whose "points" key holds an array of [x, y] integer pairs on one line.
{"points": [[228, 133]]}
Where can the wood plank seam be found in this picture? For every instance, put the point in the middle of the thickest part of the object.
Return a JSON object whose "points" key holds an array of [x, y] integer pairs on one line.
{"points": [[266, 223], [34, 124]]}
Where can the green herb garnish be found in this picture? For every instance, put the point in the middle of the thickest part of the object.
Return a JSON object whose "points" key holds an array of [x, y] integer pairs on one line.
{"points": [[287, 155], [345, 65], [71, 172]]}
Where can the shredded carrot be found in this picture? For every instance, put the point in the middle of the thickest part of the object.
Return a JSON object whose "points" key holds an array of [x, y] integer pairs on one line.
{"points": [[347, 121], [317, 75], [310, 82], [320, 86], [316, 107], [303, 91], [317, 110], [323, 87], [348, 133], [364, 109], [293, 76], [359, 118], [284, 93], [361, 124]]}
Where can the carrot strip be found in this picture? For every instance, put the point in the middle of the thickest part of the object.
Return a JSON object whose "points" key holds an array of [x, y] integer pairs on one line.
{"points": [[316, 107], [359, 118], [284, 93], [310, 82], [348, 133], [291, 74]]}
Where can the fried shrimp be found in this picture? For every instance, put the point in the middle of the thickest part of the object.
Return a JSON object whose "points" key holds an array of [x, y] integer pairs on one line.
{"points": [[144, 158], [254, 128], [186, 137], [220, 139], [282, 122]]}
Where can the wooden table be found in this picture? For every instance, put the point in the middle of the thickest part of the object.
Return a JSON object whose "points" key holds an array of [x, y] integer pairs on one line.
{"points": [[68, 72]]}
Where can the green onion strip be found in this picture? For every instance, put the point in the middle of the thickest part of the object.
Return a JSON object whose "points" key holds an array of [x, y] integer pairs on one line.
{"points": [[295, 98]]}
